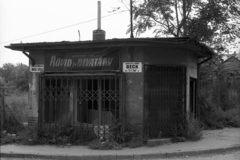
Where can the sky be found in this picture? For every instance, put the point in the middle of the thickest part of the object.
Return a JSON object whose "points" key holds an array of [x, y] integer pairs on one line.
{"points": [[29, 21], [25, 21]]}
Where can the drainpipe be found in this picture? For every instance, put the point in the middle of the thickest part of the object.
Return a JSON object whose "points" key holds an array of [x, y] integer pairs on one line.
{"points": [[205, 60], [29, 57], [198, 85]]}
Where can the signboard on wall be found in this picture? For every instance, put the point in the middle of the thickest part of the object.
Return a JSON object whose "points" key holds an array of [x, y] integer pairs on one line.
{"points": [[132, 67], [37, 68], [77, 61]]}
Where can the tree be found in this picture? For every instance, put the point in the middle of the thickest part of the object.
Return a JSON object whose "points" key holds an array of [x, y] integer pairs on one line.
{"points": [[5, 72], [215, 22], [15, 75]]}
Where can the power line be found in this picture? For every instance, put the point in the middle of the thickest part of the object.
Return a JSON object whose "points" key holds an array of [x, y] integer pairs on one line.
{"points": [[62, 27]]}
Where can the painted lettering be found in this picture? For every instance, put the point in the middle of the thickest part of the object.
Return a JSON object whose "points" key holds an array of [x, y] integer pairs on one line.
{"points": [[81, 62], [52, 61], [69, 63], [99, 62], [104, 62], [110, 61], [57, 62]]}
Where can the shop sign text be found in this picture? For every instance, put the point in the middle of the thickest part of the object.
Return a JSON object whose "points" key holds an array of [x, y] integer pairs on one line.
{"points": [[132, 67], [75, 62]]}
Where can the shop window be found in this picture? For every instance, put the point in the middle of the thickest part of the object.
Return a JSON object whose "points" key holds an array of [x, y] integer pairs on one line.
{"points": [[89, 100]]}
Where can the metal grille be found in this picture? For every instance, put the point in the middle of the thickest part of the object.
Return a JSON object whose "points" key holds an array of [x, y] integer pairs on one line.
{"points": [[164, 95], [93, 101]]}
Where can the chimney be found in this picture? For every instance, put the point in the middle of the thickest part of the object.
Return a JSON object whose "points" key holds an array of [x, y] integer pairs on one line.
{"points": [[99, 34]]}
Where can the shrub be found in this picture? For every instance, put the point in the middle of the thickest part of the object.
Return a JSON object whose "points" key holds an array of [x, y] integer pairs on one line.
{"points": [[178, 129], [215, 114], [66, 134], [136, 141], [108, 145], [194, 129], [29, 136], [115, 134], [7, 138], [186, 129], [18, 103], [232, 117]]}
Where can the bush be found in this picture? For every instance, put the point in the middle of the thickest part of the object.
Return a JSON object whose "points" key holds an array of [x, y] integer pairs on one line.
{"points": [[194, 129], [232, 117], [108, 145], [186, 129], [18, 103], [66, 134], [7, 138], [29, 136], [214, 114], [213, 118], [136, 141]]}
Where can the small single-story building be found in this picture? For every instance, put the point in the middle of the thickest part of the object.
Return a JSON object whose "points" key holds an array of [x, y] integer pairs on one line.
{"points": [[144, 83]]}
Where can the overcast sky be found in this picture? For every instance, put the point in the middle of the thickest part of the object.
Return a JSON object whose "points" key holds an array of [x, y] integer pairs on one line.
{"points": [[32, 18], [26, 18]]}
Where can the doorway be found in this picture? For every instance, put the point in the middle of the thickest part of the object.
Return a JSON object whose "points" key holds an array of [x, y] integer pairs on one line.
{"points": [[192, 97], [164, 99]]}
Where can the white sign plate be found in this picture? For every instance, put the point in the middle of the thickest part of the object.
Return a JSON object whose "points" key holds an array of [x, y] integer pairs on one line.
{"points": [[37, 68], [132, 67]]}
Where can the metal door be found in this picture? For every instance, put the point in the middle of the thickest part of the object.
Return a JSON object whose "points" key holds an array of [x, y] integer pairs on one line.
{"points": [[164, 99]]}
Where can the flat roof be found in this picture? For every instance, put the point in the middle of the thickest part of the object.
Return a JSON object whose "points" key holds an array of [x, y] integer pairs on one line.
{"points": [[183, 42]]}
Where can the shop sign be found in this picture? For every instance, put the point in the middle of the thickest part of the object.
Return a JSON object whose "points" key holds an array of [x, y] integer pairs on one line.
{"points": [[37, 68], [132, 67], [80, 61]]}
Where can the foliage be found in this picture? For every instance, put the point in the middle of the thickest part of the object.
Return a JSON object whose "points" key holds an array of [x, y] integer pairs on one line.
{"points": [[15, 75], [10, 123], [17, 102], [136, 141], [215, 22], [108, 145], [115, 132], [186, 129], [8, 139], [194, 129], [66, 134], [220, 105], [220, 93], [179, 128], [113, 140], [29, 136]]}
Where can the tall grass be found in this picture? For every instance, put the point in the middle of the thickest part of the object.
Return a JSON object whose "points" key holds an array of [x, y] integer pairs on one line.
{"points": [[18, 104]]}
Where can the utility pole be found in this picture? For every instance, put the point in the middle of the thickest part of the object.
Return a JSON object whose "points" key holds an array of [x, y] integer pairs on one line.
{"points": [[2, 105], [131, 36]]}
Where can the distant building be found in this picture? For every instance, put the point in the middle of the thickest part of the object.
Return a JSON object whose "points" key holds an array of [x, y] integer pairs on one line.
{"points": [[231, 66]]}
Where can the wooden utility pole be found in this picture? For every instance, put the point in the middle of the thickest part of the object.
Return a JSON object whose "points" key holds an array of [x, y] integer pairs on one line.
{"points": [[2, 105], [131, 34]]}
